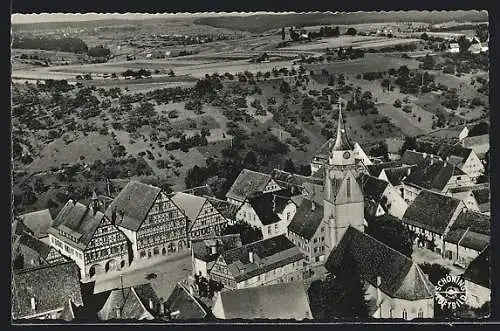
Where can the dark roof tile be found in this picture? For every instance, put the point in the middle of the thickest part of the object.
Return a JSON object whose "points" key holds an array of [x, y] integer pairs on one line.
{"points": [[306, 221], [478, 271]]}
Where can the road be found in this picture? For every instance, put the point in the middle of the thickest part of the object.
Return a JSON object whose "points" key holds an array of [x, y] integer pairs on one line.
{"points": [[168, 272]]}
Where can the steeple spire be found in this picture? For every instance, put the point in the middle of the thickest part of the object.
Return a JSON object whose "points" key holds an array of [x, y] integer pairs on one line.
{"points": [[342, 143]]}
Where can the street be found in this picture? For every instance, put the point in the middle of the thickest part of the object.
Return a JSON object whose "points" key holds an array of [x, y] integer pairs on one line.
{"points": [[168, 272]]}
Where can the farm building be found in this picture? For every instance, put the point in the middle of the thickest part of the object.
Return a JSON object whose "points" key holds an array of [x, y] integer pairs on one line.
{"points": [[395, 286], [430, 217]]}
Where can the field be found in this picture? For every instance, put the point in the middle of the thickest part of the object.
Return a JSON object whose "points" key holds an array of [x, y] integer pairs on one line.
{"points": [[360, 42]]}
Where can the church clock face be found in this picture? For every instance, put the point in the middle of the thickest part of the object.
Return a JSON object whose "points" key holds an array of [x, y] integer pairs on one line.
{"points": [[347, 155]]}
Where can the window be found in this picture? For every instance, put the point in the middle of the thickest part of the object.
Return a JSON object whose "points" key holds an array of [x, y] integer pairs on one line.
{"points": [[348, 188], [142, 254], [420, 313], [276, 227], [404, 314], [269, 230]]}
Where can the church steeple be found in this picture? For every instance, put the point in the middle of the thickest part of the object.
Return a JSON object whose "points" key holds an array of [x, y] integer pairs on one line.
{"points": [[342, 142]]}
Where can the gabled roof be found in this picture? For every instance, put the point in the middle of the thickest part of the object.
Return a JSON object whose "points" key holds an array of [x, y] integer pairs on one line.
{"points": [[190, 204], [134, 202], [278, 301], [202, 251], [33, 248], [476, 140], [306, 221], [482, 195], [269, 254], [471, 230], [433, 174], [39, 222], [288, 180], [395, 176], [478, 271], [51, 285], [78, 221], [412, 157], [372, 187], [227, 209], [18, 228], [267, 206], [315, 192], [376, 169], [187, 305], [400, 276], [248, 182], [131, 303], [431, 211], [454, 150]]}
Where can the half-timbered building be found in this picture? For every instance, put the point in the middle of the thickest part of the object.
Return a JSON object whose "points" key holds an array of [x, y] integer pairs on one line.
{"points": [[149, 218], [86, 236]]}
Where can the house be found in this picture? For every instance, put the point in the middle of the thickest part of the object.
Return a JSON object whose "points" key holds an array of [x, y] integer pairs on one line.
{"points": [[183, 305], [39, 222], [43, 291], [278, 301], [18, 229], [267, 261], [478, 279], [149, 218], [483, 198], [29, 252], [463, 158], [83, 234], [476, 197], [466, 195], [204, 252], [250, 182], [394, 146], [270, 212], [138, 302], [396, 176], [309, 232], [468, 236], [383, 194], [454, 48], [203, 218], [376, 169], [395, 285], [479, 144], [430, 217], [433, 174]]}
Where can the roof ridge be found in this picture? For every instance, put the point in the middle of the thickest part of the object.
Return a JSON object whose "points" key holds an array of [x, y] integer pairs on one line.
{"points": [[42, 266], [256, 172], [191, 296]]}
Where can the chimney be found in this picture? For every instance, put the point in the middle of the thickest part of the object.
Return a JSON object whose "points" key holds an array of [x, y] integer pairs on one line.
{"points": [[445, 165], [151, 306], [213, 249], [313, 206], [379, 292], [432, 161], [113, 216], [33, 303], [425, 155], [250, 256]]}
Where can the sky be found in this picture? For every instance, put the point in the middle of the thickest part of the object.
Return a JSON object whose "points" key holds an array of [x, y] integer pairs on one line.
{"points": [[60, 17]]}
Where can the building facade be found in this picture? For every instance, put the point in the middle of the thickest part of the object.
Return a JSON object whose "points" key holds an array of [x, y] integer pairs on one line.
{"points": [[86, 236], [152, 222]]}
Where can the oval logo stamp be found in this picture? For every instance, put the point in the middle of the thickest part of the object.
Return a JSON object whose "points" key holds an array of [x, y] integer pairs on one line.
{"points": [[451, 292]]}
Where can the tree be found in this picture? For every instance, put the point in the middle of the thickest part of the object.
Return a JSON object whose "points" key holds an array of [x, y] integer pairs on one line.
{"points": [[285, 87], [351, 31], [331, 80], [479, 129], [289, 166], [434, 271], [410, 143], [464, 44], [391, 232], [250, 160], [248, 233], [429, 62]]}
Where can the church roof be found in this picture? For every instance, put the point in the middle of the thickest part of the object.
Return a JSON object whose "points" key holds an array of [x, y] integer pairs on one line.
{"points": [[400, 276], [134, 202], [248, 182], [342, 142], [431, 211], [478, 271], [306, 221]]}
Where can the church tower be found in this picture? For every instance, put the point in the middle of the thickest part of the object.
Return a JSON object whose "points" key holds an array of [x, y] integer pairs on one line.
{"points": [[343, 203]]}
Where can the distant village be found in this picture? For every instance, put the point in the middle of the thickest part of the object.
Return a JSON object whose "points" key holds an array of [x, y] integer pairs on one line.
{"points": [[303, 229]]}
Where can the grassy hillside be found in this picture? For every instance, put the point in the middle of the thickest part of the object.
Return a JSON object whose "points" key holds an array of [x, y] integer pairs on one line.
{"points": [[263, 22]]}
